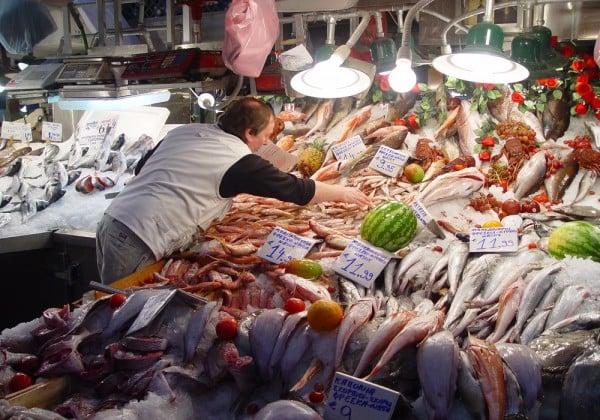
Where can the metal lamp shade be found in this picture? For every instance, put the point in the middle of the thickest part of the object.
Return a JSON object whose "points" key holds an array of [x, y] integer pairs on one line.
{"points": [[485, 37], [547, 53], [525, 50]]}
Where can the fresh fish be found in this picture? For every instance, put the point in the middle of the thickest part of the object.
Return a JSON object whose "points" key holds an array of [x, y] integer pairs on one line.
{"points": [[304, 288], [557, 184], [197, 324], [356, 316], [468, 120], [514, 401], [458, 252], [508, 304], [341, 109], [324, 114], [504, 109], [415, 331], [140, 146], [118, 142], [567, 304], [449, 123], [388, 329], [310, 107], [450, 149], [531, 175], [586, 183], [359, 118], [292, 116], [584, 321], [12, 168], [50, 152], [373, 126], [556, 118], [8, 158], [487, 362], [382, 132], [579, 397], [400, 107], [290, 323], [437, 366], [450, 186], [534, 327], [556, 352], [469, 388], [54, 190], [263, 337], [72, 176]]}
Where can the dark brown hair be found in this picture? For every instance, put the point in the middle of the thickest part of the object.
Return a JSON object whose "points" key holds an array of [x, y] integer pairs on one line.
{"points": [[243, 114]]}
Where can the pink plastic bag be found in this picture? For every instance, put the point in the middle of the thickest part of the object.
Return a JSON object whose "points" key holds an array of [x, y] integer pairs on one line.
{"points": [[251, 28]]}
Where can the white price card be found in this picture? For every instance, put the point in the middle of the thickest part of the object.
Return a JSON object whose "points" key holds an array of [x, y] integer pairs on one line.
{"points": [[500, 239], [283, 246], [93, 133], [16, 131], [361, 262], [351, 398], [51, 131], [389, 161], [348, 149], [421, 213]]}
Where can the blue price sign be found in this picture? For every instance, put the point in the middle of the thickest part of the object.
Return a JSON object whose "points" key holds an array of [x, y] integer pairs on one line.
{"points": [[501, 239], [351, 398], [348, 149], [282, 246], [420, 212], [389, 161], [361, 262]]}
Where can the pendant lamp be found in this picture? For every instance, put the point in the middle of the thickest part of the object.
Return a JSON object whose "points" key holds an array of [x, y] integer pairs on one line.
{"points": [[482, 60], [383, 49]]}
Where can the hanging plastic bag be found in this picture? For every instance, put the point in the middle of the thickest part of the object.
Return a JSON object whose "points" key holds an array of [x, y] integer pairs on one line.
{"points": [[597, 50], [23, 24], [251, 28]]}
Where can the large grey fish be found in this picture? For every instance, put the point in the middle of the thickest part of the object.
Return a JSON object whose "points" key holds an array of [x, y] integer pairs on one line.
{"points": [[531, 175], [534, 327], [263, 337], [468, 120], [556, 118], [437, 366], [557, 184], [452, 185], [469, 388], [567, 304], [341, 109], [458, 252], [290, 323], [357, 315], [579, 398]]}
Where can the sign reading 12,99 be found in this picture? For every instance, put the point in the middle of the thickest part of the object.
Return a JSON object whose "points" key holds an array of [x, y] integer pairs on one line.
{"points": [[501, 239], [361, 262], [282, 246]]}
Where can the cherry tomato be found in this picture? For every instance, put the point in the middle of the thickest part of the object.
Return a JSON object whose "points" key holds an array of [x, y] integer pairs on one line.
{"points": [[532, 245], [293, 305], [488, 141], [20, 381], [117, 300], [413, 121], [316, 397], [227, 329], [530, 206], [485, 155], [511, 207]]}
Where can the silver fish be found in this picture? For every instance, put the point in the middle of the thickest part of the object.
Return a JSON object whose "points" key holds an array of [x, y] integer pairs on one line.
{"points": [[586, 183], [468, 120], [289, 325], [567, 304], [534, 327], [263, 337], [357, 315], [531, 175], [558, 183], [584, 321], [469, 388], [458, 252], [324, 114], [452, 185]]}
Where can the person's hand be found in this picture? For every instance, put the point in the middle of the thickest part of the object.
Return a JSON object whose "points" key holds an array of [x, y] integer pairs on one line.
{"points": [[355, 196]]}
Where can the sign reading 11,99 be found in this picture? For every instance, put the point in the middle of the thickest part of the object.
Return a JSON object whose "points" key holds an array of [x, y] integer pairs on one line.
{"points": [[282, 246], [361, 262], [501, 239]]}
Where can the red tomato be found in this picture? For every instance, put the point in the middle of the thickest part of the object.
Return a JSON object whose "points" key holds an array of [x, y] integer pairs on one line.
{"points": [[530, 206], [488, 141], [511, 206], [316, 397], [293, 305], [20, 381], [485, 155], [117, 300], [413, 121], [532, 245], [227, 329]]}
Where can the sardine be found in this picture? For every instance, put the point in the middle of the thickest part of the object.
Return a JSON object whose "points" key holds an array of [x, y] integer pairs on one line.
{"points": [[531, 175]]}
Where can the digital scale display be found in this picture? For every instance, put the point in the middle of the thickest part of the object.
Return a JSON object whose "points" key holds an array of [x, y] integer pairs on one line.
{"points": [[160, 65]]}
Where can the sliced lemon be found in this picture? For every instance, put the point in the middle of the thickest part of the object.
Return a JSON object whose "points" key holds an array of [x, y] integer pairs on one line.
{"points": [[491, 224]]}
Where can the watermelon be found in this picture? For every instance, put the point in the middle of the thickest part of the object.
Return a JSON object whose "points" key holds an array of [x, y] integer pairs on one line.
{"points": [[577, 238], [391, 225]]}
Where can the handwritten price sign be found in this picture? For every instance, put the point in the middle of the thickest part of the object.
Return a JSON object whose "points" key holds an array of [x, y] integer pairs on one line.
{"points": [[501, 239], [361, 262], [16, 131], [283, 246], [349, 149], [389, 161], [353, 399], [51, 131]]}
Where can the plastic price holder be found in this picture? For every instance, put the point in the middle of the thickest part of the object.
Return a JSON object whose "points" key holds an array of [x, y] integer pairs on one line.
{"points": [[348, 149], [389, 161], [283, 246], [361, 262], [500, 239]]}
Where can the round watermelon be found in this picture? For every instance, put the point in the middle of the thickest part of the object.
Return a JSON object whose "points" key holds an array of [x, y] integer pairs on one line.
{"points": [[391, 225], [577, 238]]}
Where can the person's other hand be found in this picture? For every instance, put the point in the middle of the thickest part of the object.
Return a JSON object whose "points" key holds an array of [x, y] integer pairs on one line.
{"points": [[355, 196]]}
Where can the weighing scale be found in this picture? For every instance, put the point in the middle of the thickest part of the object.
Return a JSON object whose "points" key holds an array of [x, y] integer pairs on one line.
{"points": [[94, 70], [35, 76]]}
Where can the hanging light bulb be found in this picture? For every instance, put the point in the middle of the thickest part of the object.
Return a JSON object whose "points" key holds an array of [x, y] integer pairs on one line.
{"points": [[403, 78]]}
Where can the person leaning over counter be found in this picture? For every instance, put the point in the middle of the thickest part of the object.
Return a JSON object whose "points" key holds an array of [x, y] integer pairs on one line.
{"points": [[190, 180]]}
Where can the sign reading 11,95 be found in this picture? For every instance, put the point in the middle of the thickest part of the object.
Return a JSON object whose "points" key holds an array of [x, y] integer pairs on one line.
{"points": [[361, 262], [501, 239], [388, 161], [282, 246]]}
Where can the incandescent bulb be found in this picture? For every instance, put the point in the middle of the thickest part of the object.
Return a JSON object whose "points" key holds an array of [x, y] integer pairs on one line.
{"points": [[403, 78]]}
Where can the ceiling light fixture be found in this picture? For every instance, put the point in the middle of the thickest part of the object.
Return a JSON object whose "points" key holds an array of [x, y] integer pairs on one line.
{"points": [[328, 79], [383, 49], [484, 42]]}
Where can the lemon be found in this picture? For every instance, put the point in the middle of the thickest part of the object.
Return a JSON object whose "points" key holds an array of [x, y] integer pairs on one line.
{"points": [[491, 224], [324, 315]]}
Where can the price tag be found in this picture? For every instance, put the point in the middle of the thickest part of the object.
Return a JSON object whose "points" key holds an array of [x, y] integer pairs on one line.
{"points": [[16, 131], [151, 308], [420, 212], [501, 239], [348, 149], [361, 262], [351, 398], [92, 133], [282, 246], [389, 161], [51, 131]]}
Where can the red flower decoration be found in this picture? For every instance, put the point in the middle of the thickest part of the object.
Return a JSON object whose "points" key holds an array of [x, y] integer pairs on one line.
{"points": [[567, 51], [553, 40], [583, 89], [552, 82], [384, 84], [517, 97], [595, 102], [578, 65], [581, 109], [583, 78], [415, 89], [489, 86]]}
